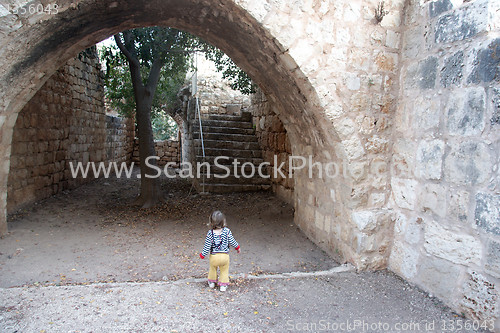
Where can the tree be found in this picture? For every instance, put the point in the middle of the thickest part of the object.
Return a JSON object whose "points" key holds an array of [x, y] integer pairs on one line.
{"points": [[155, 57], [119, 92], [238, 79], [145, 77]]}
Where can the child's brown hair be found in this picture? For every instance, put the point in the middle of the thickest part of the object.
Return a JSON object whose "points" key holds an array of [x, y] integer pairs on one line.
{"points": [[217, 220]]}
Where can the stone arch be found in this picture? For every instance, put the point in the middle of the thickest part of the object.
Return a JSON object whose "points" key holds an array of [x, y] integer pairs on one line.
{"points": [[36, 48]]}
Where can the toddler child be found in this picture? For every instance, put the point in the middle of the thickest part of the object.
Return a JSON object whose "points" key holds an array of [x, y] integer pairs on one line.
{"points": [[217, 242]]}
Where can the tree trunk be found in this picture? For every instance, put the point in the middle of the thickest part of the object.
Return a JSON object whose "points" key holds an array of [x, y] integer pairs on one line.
{"points": [[150, 194]]}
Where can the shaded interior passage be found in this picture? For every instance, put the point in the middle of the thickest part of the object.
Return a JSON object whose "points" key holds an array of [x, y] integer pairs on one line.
{"points": [[93, 234]]}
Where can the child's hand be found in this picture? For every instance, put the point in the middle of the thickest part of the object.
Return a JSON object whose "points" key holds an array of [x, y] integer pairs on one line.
{"points": [[238, 251]]}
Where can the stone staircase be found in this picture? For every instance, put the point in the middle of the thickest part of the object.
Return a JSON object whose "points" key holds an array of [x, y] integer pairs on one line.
{"points": [[234, 137]]}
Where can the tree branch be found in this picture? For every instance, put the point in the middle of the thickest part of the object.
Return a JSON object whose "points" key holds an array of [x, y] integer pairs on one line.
{"points": [[133, 62], [130, 57], [154, 73]]}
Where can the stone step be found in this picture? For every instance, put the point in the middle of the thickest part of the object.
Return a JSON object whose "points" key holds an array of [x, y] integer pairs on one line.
{"points": [[224, 130], [231, 179], [226, 137], [224, 123], [235, 153], [226, 144], [232, 137], [247, 169], [228, 188], [227, 161], [245, 116]]}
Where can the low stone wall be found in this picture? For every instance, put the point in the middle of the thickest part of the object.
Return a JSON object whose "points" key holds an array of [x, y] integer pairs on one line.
{"points": [[167, 151], [65, 122], [273, 141], [120, 134]]}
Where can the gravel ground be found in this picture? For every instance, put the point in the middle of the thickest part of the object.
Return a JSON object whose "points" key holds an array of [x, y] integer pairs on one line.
{"points": [[341, 302]]}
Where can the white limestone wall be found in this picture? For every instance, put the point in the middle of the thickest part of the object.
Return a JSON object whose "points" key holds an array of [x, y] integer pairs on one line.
{"points": [[446, 185]]}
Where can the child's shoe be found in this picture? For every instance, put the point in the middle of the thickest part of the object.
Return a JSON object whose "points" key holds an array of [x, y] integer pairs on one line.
{"points": [[211, 285], [223, 288]]}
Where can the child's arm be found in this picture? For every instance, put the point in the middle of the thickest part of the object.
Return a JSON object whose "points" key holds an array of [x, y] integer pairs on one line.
{"points": [[233, 241], [207, 246]]}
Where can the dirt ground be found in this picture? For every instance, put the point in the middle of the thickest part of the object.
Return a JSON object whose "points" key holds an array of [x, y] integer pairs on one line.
{"points": [[87, 261], [93, 234]]}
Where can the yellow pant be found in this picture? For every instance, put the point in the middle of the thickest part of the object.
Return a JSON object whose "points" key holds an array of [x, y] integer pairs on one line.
{"points": [[221, 261]]}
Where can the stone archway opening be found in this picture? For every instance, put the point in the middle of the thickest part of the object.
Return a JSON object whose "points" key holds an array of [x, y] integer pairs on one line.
{"points": [[68, 228], [322, 206]]}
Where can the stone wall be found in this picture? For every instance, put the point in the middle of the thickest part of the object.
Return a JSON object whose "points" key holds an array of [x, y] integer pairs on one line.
{"points": [[167, 151], [215, 94], [120, 133], [274, 143], [446, 185], [65, 122]]}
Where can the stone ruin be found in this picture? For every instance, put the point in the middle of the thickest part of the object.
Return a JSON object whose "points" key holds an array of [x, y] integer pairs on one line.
{"points": [[406, 103]]}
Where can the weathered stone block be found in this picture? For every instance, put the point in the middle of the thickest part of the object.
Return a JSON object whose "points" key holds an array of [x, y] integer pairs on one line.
{"points": [[422, 75], [353, 148], [376, 144], [458, 207], [462, 23], [457, 248], [495, 100], [392, 39], [344, 127], [366, 221], [352, 82], [426, 112], [404, 260], [493, 258], [487, 212], [465, 112], [428, 72], [429, 159], [413, 232], [377, 199], [403, 158], [480, 297], [451, 72], [414, 37], [404, 192], [365, 243], [433, 198], [438, 7], [468, 163], [435, 275], [233, 108], [486, 66]]}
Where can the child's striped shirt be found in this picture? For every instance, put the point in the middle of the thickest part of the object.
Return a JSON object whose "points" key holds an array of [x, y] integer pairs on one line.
{"points": [[219, 243]]}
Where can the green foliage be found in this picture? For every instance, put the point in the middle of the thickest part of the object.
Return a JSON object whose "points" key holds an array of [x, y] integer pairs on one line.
{"points": [[164, 127], [149, 43], [238, 79], [118, 89], [174, 49]]}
